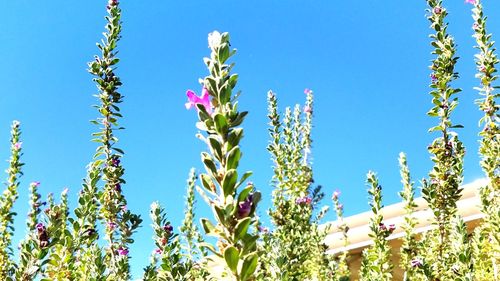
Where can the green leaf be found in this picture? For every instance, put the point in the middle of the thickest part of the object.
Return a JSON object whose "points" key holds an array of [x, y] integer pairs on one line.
{"points": [[241, 228], [210, 247], [231, 256], [245, 176], [233, 158], [248, 267], [215, 147], [219, 213], [207, 226], [229, 182], [209, 163], [207, 182], [221, 124], [244, 193]]}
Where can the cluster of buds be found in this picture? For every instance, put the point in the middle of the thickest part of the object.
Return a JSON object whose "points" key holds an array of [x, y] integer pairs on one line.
{"points": [[387, 229], [245, 207], [43, 237], [111, 4], [306, 200]]}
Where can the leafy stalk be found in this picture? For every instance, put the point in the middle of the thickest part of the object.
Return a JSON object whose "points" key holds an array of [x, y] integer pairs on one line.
{"points": [[487, 254], [234, 207], [120, 223], [376, 264], [443, 190], [7, 201]]}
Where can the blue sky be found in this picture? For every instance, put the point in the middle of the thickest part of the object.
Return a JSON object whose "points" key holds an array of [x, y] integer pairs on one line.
{"points": [[367, 62]]}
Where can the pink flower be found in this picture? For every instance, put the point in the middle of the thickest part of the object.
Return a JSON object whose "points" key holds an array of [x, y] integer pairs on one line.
{"points": [[204, 100], [122, 251], [158, 251], [437, 10], [336, 195], [473, 2], [308, 91], [18, 145], [35, 183], [307, 109]]}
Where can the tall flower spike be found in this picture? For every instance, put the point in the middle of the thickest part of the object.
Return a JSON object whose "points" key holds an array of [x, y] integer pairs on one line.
{"points": [[443, 190], [376, 263], [7, 200], [108, 156], [409, 249], [487, 238], [234, 209]]}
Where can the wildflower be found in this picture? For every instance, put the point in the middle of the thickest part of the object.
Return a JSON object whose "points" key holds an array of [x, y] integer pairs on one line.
{"points": [[245, 207], [475, 26], [204, 100], [307, 109], [392, 227], [438, 10], [433, 77], [214, 39], [115, 161], [341, 207], [35, 184], [263, 229], [168, 228], [307, 91], [118, 187], [111, 225], [158, 251], [18, 145], [122, 251], [303, 200], [336, 195], [65, 191], [40, 227], [382, 227], [473, 2], [16, 123], [416, 263], [112, 3]]}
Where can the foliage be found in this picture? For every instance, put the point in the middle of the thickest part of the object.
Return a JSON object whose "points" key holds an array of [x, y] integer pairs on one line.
{"points": [[93, 241]]}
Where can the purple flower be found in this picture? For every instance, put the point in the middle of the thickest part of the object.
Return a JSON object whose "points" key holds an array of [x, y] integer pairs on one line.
{"points": [[122, 251], [307, 109], [118, 187], [308, 91], [433, 77], [158, 251], [382, 227], [473, 2], [111, 225], [245, 207], [438, 10], [40, 227], [204, 100], [263, 229], [303, 200], [168, 228], [416, 263], [115, 161]]}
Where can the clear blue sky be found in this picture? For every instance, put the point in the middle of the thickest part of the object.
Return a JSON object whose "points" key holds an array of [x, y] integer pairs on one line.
{"points": [[367, 62]]}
